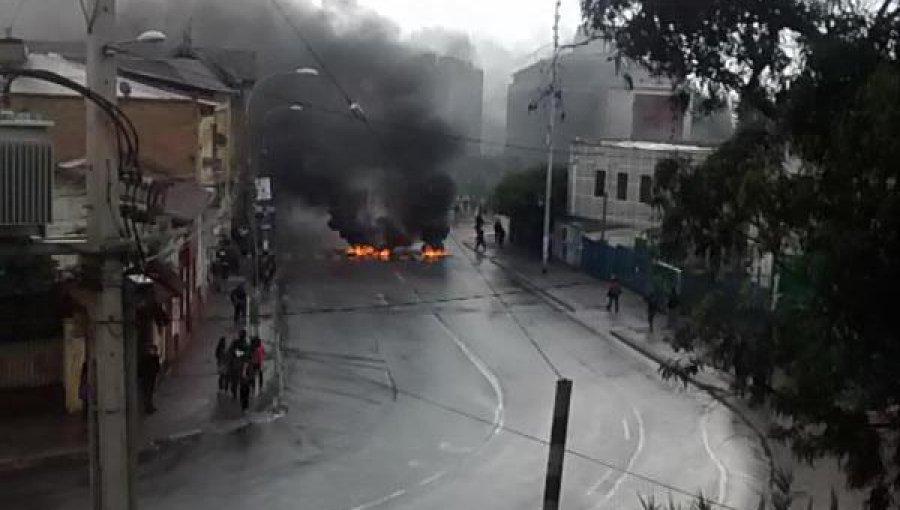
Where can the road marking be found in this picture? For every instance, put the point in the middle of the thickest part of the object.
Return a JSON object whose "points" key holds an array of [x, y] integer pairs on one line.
{"points": [[380, 501], [723, 473], [626, 429], [499, 411], [485, 372], [631, 461], [432, 478]]}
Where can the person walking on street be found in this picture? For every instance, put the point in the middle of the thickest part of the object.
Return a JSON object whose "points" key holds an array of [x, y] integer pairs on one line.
{"points": [[499, 233], [613, 293], [239, 302], [267, 271], [652, 308], [480, 243], [245, 379], [148, 369], [479, 221], [257, 356], [672, 305], [238, 353], [222, 364]]}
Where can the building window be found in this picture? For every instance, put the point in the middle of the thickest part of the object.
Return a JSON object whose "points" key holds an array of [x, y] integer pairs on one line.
{"points": [[600, 183], [622, 186], [646, 188]]}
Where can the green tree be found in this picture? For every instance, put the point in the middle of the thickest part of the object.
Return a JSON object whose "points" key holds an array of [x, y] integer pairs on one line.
{"points": [[520, 195], [811, 177]]}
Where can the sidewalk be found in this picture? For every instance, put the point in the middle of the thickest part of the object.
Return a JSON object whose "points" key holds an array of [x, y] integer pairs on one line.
{"points": [[583, 298], [187, 399]]}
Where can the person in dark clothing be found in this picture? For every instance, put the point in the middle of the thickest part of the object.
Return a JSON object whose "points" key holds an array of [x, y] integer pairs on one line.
{"points": [[480, 243], [673, 307], [652, 308], [499, 233], [479, 222], [222, 363], [148, 369], [613, 293], [239, 302], [238, 355], [267, 269], [84, 391]]}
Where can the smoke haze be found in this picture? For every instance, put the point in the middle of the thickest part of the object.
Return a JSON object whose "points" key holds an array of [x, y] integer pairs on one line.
{"points": [[379, 180]]}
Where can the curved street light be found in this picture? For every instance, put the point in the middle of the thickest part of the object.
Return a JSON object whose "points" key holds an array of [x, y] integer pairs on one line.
{"points": [[149, 36], [252, 171]]}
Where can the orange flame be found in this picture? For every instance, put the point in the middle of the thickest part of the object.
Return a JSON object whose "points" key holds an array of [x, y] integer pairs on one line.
{"points": [[433, 252], [368, 251]]}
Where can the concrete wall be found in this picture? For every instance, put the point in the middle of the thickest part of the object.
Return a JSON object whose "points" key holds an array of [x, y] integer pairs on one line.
{"points": [[635, 163], [167, 129]]}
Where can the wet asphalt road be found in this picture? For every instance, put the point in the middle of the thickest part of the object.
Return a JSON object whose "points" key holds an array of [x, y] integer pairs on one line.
{"points": [[410, 386]]}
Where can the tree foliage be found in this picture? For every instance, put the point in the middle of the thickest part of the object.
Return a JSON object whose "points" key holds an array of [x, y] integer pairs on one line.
{"points": [[811, 177], [521, 194]]}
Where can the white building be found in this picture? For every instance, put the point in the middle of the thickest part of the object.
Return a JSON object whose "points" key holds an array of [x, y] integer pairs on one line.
{"points": [[619, 173]]}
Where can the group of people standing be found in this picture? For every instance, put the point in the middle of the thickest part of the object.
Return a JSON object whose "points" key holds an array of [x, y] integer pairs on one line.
{"points": [[499, 233], [652, 299], [240, 366]]}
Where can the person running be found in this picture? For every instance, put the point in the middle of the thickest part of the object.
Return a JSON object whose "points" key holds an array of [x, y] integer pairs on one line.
{"points": [[480, 243], [222, 364], [613, 293], [148, 370], [257, 356], [239, 302], [499, 233]]}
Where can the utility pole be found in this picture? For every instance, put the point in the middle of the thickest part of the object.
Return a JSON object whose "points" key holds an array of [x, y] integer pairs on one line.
{"points": [[551, 126], [111, 480]]}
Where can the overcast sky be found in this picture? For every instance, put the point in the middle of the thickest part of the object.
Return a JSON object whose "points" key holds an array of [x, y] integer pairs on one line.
{"points": [[516, 24]]}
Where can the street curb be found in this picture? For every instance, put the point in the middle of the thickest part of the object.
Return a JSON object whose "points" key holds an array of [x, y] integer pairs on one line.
{"points": [[15, 464], [714, 392], [80, 454]]}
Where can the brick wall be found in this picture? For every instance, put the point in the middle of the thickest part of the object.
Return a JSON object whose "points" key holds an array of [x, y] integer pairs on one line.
{"points": [[168, 130]]}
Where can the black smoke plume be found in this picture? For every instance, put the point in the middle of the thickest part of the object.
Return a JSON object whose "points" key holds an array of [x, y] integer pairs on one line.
{"points": [[379, 179], [376, 168]]}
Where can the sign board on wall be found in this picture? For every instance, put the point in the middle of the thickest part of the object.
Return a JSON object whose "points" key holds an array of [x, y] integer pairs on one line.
{"points": [[263, 189]]}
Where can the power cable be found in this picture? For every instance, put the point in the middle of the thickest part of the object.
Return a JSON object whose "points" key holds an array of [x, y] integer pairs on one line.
{"points": [[512, 315], [529, 437], [409, 127], [315, 55], [127, 141]]}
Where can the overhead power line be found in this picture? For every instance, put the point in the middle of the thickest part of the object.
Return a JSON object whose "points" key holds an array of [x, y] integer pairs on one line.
{"points": [[524, 435], [420, 129]]}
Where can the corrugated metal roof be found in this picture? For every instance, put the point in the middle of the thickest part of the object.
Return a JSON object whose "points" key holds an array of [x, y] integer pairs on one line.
{"points": [[178, 72], [76, 72]]}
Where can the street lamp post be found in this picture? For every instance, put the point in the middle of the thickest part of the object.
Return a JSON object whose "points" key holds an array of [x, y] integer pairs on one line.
{"points": [[249, 186]]}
